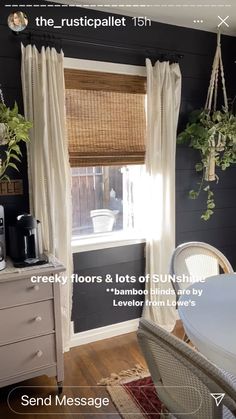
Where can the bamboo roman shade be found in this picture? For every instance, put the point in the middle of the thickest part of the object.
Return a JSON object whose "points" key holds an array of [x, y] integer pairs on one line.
{"points": [[106, 121]]}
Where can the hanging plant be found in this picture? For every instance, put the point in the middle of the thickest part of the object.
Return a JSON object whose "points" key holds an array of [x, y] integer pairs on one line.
{"points": [[13, 129], [213, 133]]}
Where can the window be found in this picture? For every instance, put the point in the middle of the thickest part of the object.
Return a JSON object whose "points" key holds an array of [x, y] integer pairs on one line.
{"points": [[106, 137], [103, 199]]}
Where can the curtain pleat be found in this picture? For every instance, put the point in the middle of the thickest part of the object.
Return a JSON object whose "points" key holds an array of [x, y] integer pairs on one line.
{"points": [[48, 159], [163, 102]]}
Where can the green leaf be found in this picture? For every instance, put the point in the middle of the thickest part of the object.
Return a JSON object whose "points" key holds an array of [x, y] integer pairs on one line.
{"points": [[211, 205], [15, 157], [16, 148], [15, 109], [14, 166], [207, 214], [195, 116], [5, 177], [193, 194], [198, 167], [210, 194], [183, 138]]}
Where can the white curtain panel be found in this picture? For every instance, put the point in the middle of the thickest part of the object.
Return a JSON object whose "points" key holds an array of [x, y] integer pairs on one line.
{"points": [[48, 161], [163, 102]]}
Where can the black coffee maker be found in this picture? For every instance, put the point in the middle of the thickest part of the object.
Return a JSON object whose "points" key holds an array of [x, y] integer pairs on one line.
{"points": [[25, 242]]}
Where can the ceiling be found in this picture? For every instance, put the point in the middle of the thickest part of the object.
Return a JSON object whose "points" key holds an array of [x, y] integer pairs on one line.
{"points": [[175, 12]]}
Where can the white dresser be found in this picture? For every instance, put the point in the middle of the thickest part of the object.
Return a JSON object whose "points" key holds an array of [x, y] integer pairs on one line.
{"points": [[30, 325]]}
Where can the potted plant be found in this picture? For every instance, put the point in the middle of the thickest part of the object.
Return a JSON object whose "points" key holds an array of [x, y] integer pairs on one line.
{"points": [[213, 133], [13, 129]]}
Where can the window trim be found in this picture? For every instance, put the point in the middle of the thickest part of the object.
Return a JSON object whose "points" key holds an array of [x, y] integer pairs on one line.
{"points": [[105, 241], [103, 66], [115, 238]]}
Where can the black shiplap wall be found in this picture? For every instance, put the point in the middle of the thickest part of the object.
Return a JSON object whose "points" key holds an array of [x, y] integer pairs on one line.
{"points": [[220, 230], [132, 45], [92, 303]]}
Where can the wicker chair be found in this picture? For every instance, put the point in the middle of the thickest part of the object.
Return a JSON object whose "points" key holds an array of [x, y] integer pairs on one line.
{"points": [[184, 379], [197, 259]]}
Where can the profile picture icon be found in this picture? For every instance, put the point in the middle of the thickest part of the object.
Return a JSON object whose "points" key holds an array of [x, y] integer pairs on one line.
{"points": [[17, 21]]}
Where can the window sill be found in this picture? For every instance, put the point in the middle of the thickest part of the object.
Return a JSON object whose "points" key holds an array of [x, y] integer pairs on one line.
{"points": [[105, 241]]}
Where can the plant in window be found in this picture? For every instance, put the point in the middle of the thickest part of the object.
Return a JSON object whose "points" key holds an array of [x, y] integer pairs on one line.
{"points": [[14, 128], [213, 133]]}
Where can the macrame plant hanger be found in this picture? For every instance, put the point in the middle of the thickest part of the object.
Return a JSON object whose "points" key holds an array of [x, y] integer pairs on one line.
{"points": [[216, 144]]}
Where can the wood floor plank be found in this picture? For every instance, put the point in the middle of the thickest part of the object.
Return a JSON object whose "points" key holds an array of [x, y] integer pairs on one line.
{"points": [[85, 366]]}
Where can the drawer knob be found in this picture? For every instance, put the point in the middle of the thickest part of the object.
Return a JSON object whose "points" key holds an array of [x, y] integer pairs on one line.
{"points": [[38, 319], [39, 353], [36, 287]]}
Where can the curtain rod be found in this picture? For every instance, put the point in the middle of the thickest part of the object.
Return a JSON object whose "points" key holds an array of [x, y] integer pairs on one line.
{"points": [[145, 50]]}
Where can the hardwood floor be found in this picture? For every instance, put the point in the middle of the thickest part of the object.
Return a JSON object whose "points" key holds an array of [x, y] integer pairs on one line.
{"points": [[85, 366]]}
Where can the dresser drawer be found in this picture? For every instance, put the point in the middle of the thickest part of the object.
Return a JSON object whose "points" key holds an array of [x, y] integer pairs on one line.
{"points": [[25, 321], [26, 356], [23, 291]]}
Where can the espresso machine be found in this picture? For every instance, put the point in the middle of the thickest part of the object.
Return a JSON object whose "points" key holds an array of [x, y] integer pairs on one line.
{"points": [[25, 243]]}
